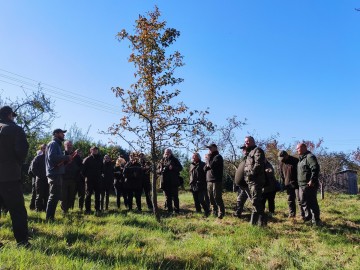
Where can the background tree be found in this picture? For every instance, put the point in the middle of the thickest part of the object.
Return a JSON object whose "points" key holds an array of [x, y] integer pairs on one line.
{"points": [[152, 113]]}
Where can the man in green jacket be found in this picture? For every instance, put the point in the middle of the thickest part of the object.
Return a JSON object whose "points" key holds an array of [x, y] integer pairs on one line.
{"points": [[308, 173], [254, 172]]}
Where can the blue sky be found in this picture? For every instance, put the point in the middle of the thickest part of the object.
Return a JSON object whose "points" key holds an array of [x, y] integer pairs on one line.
{"points": [[289, 67]]}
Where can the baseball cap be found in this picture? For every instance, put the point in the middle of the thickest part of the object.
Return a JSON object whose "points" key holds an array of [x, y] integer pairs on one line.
{"points": [[6, 110], [58, 130], [211, 145]]}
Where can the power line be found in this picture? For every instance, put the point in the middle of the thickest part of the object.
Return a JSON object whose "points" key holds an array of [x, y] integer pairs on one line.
{"points": [[59, 93], [79, 102]]}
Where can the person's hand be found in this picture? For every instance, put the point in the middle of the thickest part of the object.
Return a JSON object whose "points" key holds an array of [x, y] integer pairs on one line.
{"points": [[170, 167], [310, 184]]}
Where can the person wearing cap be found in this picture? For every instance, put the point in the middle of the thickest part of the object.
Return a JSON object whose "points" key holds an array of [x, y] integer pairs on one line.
{"points": [[254, 173], [92, 171], [70, 178], [288, 176], [198, 185], [55, 169], [38, 170], [169, 170], [308, 178], [14, 149], [242, 187], [214, 168]]}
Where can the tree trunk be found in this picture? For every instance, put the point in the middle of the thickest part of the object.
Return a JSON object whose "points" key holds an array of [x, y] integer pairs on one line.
{"points": [[154, 194], [322, 190]]}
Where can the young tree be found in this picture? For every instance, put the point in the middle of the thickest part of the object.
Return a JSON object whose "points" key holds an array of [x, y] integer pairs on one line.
{"points": [[150, 111]]}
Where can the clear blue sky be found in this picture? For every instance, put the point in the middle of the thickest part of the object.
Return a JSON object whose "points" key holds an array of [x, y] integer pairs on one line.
{"points": [[289, 67]]}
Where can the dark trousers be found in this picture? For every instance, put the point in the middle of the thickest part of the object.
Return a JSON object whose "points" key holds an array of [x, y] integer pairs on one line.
{"points": [[55, 183], [293, 197], [12, 196], [90, 188], [33, 193], [119, 190], [42, 194], [309, 203], [270, 198], [137, 193], [67, 194], [105, 194], [80, 192], [241, 200], [147, 192], [214, 190], [172, 196], [201, 199], [256, 197]]}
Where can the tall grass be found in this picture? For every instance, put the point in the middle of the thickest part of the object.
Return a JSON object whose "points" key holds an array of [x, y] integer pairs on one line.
{"points": [[119, 239]]}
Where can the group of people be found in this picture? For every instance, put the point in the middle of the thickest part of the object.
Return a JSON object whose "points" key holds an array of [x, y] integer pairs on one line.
{"points": [[60, 175]]}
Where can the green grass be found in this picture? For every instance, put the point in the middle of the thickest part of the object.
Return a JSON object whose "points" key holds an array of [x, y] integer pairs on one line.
{"points": [[130, 240]]}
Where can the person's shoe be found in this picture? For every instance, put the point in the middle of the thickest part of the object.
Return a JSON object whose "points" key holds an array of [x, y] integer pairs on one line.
{"points": [[206, 214], [262, 220], [24, 244], [317, 223], [221, 216], [306, 219], [254, 218], [1, 245], [236, 214]]}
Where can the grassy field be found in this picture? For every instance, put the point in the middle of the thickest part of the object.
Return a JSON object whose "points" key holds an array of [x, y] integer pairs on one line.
{"points": [[130, 240]]}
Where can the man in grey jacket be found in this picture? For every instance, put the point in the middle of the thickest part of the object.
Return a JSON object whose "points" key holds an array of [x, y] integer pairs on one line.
{"points": [[14, 148], [55, 169]]}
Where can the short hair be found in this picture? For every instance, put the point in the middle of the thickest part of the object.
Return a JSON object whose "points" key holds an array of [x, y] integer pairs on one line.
{"points": [[251, 138], [198, 155], [167, 150]]}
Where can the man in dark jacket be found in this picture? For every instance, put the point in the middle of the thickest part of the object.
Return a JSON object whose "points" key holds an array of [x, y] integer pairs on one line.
{"points": [[55, 169], [92, 170], [14, 148], [254, 172], [169, 170], [198, 184], [214, 168], [288, 175], [133, 181], [146, 166], [38, 169], [107, 182], [70, 178], [308, 178]]}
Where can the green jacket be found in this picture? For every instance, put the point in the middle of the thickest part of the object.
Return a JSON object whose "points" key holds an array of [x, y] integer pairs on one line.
{"points": [[308, 169]]}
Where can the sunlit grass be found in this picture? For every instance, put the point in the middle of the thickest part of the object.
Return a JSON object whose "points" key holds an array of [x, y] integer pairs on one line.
{"points": [[118, 239]]}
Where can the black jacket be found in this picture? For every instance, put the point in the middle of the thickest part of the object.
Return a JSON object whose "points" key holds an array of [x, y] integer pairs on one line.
{"points": [[73, 168], [13, 150], [288, 172], [214, 168], [169, 178], [92, 168], [37, 166], [133, 174], [197, 176]]}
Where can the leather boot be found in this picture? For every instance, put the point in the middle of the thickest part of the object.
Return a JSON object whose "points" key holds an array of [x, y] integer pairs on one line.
{"points": [[254, 218], [262, 221]]}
